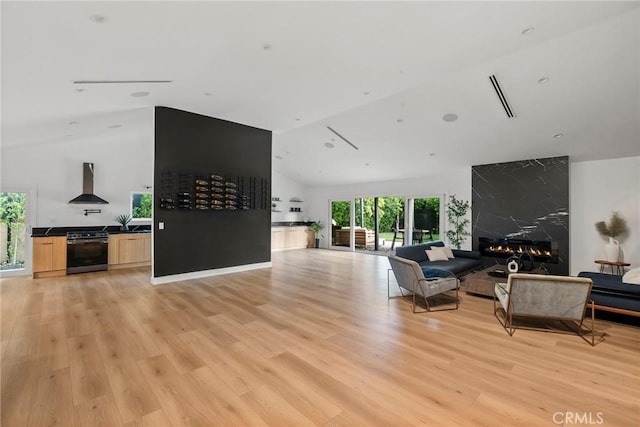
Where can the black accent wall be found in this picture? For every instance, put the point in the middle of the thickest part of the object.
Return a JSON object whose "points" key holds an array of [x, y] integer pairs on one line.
{"points": [[190, 146], [527, 199]]}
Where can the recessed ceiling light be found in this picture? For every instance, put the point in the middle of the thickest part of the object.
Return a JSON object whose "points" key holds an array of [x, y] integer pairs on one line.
{"points": [[366, 93], [297, 119], [98, 19], [527, 30], [207, 94], [558, 135], [450, 117], [115, 126], [278, 157], [139, 94], [80, 90], [367, 164], [543, 80], [266, 46], [329, 145], [432, 154], [73, 123], [399, 120]]}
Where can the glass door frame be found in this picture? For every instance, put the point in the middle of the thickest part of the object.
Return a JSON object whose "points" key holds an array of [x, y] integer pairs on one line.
{"points": [[409, 223], [408, 215], [29, 216], [352, 220]]}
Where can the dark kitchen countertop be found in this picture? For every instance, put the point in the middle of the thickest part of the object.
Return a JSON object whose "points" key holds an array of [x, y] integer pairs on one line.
{"points": [[111, 229], [290, 224]]}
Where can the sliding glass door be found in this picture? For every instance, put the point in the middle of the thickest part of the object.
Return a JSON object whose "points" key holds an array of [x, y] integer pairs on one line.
{"points": [[384, 223], [341, 230], [426, 219]]}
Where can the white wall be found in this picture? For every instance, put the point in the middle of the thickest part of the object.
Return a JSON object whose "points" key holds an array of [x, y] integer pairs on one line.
{"points": [[286, 189], [598, 188], [456, 182], [123, 163]]}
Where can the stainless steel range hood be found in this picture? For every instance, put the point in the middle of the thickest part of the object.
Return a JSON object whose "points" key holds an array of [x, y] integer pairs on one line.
{"points": [[87, 196]]}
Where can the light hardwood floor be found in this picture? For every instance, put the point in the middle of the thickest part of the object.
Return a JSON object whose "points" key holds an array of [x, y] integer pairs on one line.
{"points": [[312, 341]]}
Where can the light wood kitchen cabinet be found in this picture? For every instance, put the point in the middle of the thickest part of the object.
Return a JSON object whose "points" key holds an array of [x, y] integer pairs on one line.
{"points": [[49, 256], [289, 238], [277, 238], [129, 250]]}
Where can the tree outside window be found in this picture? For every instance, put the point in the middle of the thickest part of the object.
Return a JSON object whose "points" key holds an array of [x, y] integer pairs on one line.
{"points": [[141, 205], [12, 230]]}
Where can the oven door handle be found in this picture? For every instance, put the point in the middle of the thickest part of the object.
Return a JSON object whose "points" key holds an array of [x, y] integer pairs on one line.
{"points": [[85, 242]]}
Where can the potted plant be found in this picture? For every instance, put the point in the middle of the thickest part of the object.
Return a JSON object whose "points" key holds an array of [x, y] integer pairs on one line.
{"points": [[456, 211], [317, 226], [617, 226], [123, 220]]}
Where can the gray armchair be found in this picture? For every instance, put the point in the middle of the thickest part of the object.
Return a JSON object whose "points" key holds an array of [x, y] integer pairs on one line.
{"points": [[541, 297], [410, 277]]}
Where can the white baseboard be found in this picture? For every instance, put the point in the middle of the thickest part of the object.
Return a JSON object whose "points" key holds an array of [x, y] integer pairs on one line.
{"points": [[208, 273]]}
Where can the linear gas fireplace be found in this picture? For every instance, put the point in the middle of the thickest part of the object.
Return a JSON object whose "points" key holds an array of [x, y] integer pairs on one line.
{"points": [[541, 250]]}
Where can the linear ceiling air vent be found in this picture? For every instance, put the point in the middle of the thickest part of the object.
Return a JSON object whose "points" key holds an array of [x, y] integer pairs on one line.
{"points": [[342, 138], [86, 82], [500, 93]]}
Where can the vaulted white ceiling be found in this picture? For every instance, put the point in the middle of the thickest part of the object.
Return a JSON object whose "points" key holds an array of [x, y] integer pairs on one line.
{"points": [[381, 74]]}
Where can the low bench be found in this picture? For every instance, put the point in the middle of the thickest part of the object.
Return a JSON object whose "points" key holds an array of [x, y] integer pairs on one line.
{"points": [[610, 293]]}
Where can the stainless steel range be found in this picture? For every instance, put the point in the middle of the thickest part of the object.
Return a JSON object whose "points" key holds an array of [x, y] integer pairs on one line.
{"points": [[87, 251]]}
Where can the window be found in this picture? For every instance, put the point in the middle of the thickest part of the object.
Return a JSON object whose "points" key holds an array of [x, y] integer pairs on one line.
{"points": [[141, 205]]}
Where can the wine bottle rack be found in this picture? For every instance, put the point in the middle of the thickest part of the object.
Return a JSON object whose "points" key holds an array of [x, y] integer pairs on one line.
{"points": [[212, 192]]}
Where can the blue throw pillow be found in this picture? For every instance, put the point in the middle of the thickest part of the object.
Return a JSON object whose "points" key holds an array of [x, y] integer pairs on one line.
{"points": [[430, 273]]}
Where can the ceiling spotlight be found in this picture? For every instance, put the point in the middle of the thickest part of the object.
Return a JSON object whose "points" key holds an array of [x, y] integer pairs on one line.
{"points": [[278, 157], [329, 145], [366, 93], [367, 164], [80, 90], [115, 126], [558, 135], [543, 80], [432, 154], [450, 117], [73, 123], [98, 19], [399, 120], [139, 94], [266, 46], [207, 94], [527, 30], [297, 119]]}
